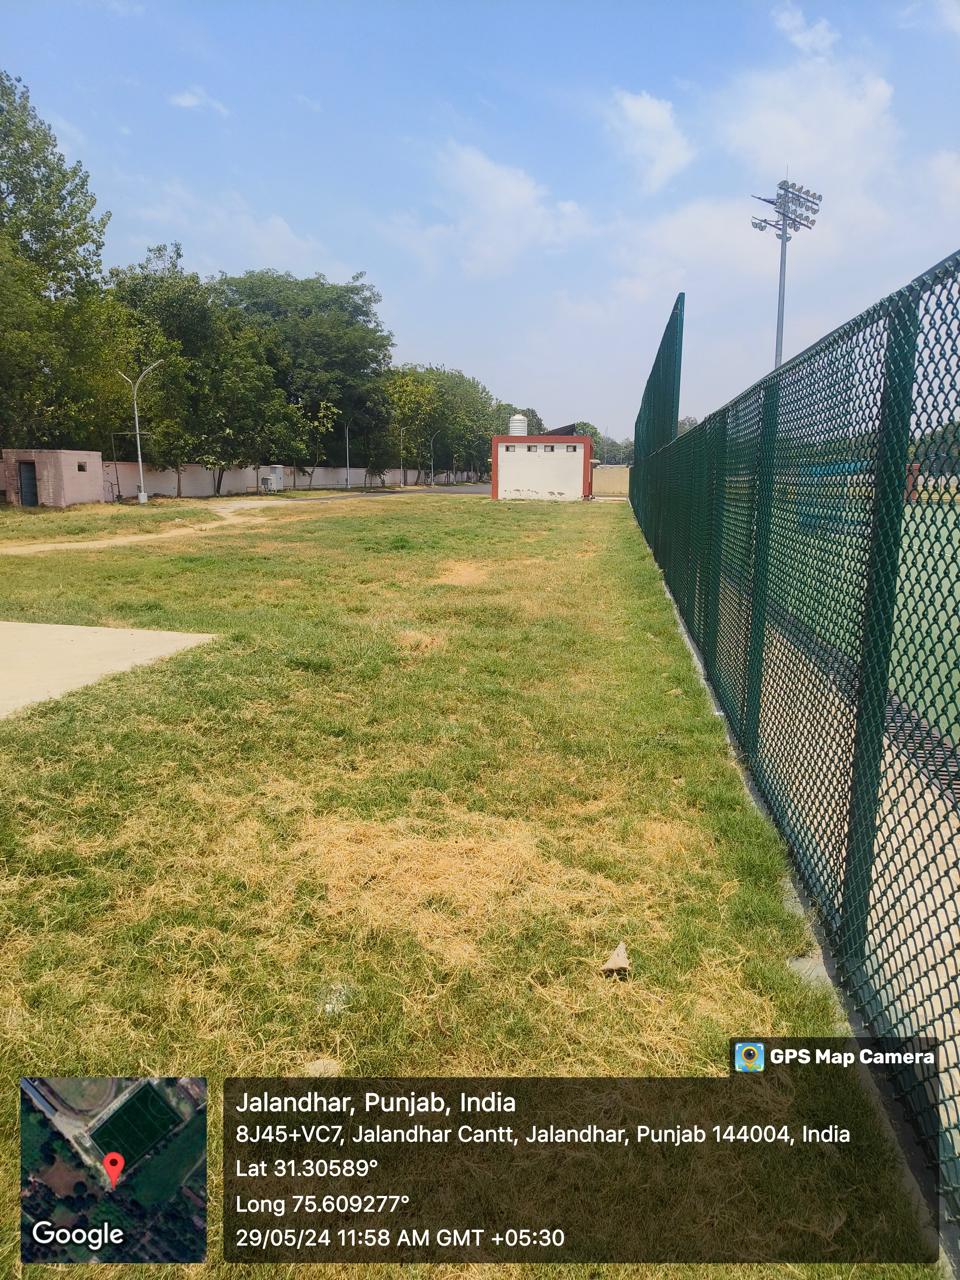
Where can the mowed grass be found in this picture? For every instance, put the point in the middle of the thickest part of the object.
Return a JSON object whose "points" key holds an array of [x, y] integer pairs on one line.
{"points": [[444, 756], [96, 520]]}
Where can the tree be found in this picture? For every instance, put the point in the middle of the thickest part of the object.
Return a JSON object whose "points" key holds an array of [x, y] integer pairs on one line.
{"points": [[535, 425], [325, 341], [245, 415], [219, 399], [614, 451], [309, 443], [414, 404], [46, 206], [465, 422], [58, 356], [588, 429], [686, 424]]}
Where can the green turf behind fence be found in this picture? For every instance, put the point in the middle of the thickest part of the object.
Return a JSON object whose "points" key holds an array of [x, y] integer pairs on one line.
{"points": [[809, 532]]}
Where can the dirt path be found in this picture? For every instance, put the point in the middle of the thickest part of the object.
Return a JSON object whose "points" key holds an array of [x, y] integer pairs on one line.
{"points": [[228, 512]]}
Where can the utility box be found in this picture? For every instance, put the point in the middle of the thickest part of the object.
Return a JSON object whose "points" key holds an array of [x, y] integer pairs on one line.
{"points": [[552, 468], [271, 479]]}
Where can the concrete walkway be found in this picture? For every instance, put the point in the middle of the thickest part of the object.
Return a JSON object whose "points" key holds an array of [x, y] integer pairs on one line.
{"points": [[41, 660]]}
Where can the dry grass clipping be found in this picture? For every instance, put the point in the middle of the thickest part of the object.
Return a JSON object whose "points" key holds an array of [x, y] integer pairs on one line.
{"points": [[463, 573], [449, 890]]}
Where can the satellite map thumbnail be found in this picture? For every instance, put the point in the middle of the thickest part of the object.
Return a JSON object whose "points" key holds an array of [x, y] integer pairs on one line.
{"points": [[113, 1169]]}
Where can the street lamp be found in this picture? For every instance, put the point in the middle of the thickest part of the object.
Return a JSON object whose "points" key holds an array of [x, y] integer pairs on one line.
{"points": [[141, 492], [346, 428], [401, 458], [796, 208]]}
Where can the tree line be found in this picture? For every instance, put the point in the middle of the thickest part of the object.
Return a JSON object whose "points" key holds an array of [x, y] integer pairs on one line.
{"points": [[255, 368]]}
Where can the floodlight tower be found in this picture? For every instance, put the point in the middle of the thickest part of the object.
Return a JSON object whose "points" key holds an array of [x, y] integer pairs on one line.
{"points": [[796, 208]]}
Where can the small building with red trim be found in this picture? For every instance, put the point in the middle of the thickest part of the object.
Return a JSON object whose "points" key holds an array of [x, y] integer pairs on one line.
{"points": [[554, 467]]}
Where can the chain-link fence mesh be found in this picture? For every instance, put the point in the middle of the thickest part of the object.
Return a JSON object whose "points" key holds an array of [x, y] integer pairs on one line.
{"points": [[809, 532]]}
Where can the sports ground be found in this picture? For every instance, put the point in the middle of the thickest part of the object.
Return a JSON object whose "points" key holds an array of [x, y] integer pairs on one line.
{"points": [[441, 757], [136, 1126]]}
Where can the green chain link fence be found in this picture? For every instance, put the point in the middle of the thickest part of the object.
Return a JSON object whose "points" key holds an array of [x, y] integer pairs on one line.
{"points": [[809, 532]]}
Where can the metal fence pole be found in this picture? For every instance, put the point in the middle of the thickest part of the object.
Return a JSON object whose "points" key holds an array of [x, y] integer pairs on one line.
{"points": [[893, 441], [763, 507], [718, 489]]}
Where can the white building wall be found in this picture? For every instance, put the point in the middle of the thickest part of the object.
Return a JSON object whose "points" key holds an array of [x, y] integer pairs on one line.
{"points": [[199, 482], [528, 470]]}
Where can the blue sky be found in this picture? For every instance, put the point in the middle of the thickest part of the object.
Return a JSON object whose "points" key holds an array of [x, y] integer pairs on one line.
{"points": [[528, 184]]}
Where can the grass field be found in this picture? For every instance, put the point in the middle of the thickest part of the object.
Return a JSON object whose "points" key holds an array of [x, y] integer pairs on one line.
{"points": [[162, 1175], [137, 1125], [443, 757], [48, 524]]}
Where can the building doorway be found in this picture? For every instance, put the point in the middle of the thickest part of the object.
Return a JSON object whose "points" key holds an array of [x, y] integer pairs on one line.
{"points": [[27, 474]]}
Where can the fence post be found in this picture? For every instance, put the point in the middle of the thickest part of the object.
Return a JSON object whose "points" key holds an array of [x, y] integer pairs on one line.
{"points": [[893, 441], [763, 507], [712, 611]]}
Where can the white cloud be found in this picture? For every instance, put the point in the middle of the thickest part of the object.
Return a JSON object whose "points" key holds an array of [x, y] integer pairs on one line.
{"points": [[949, 12], [197, 97], [813, 39], [310, 103], [830, 119], [830, 122], [650, 136], [225, 234], [497, 214]]}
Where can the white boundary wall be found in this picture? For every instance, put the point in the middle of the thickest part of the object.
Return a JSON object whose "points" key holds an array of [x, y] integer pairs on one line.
{"points": [[200, 482]]}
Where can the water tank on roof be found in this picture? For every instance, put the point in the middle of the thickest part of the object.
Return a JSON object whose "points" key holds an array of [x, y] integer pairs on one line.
{"points": [[518, 425]]}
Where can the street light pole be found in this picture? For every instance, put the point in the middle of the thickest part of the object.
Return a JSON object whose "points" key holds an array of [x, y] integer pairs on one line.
{"points": [[141, 491], [401, 458], [796, 208], [346, 427]]}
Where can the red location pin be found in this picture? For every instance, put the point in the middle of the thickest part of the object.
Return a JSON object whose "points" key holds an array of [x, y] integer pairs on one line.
{"points": [[113, 1162]]}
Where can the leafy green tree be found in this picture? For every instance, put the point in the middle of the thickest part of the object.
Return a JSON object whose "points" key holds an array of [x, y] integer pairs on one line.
{"points": [[415, 404], [465, 421], [58, 356], [326, 341], [46, 206], [535, 426], [619, 452], [244, 414], [308, 445], [588, 429], [218, 399]]}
